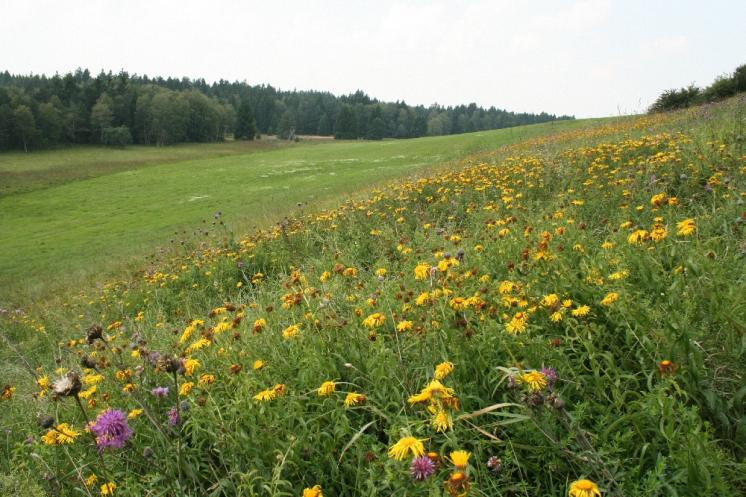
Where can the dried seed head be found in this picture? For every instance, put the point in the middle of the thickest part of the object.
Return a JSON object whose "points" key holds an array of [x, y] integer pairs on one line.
{"points": [[67, 386], [93, 333]]}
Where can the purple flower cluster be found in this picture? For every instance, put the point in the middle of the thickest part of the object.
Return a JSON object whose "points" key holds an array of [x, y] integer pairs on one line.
{"points": [[173, 416], [421, 468], [551, 375], [160, 392], [111, 429]]}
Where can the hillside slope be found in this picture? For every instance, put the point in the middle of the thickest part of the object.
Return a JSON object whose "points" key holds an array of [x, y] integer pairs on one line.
{"points": [[557, 315]]}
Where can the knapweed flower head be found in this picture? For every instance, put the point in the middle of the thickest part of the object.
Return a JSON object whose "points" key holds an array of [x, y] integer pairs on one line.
{"points": [[406, 446], [583, 488], [173, 416], [160, 392], [421, 468], [551, 376], [111, 429]]}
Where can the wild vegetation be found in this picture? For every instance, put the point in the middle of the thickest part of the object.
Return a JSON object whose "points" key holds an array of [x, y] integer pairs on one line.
{"points": [[560, 316], [723, 87], [120, 109]]}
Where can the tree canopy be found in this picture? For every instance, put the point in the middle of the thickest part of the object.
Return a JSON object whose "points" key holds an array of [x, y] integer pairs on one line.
{"points": [[117, 109]]}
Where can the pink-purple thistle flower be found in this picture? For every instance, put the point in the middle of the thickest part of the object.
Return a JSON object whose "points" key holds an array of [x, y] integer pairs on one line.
{"points": [[111, 429], [421, 468], [160, 392], [551, 375], [173, 416]]}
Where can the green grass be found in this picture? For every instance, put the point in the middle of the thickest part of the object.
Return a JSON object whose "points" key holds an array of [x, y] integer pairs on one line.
{"points": [[108, 207]]}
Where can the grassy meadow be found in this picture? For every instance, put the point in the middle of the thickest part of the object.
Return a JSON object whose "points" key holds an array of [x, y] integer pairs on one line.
{"points": [[79, 212], [551, 310]]}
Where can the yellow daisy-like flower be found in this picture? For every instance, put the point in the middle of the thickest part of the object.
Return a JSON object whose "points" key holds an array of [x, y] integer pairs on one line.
{"points": [[406, 445], [258, 364], [108, 488], [354, 399], [375, 320], [265, 395], [190, 365], [637, 237], [326, 389], [459, 458], [206, 379], [134, 413], [314, 491], [534, 380], [556, 317], [581, 311], [686, 227], [404, 326], [583, 488], [443, 369], [62, 434], [290, 331], [422, 271], [518, 323], [441, 421], [185, 388], [610, 298], [91, 480]]}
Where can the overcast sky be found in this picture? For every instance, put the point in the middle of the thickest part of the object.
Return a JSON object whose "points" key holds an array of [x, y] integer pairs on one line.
{"points": [[584, 57]]}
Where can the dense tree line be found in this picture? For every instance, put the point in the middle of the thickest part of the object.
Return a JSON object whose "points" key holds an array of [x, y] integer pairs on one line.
{"points": [[723, 87], [118, 109]]}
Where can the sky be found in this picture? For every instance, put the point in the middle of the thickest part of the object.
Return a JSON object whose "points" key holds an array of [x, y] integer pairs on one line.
{"points": [[588, 58]]}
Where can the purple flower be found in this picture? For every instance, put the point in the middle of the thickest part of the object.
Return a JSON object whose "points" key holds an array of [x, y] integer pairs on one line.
{"points": [[111, 429], [421, 468], [160, 392], [551, 375], [173, 416]]}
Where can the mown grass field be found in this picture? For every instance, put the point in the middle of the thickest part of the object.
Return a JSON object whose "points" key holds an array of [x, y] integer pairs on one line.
{"points": [[77, 212], [562, 315]]}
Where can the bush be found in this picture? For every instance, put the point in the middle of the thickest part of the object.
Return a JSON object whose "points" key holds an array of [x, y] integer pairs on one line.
{"points": [[119, 136]]}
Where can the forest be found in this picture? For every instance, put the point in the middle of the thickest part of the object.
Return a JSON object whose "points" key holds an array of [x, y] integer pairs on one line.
{"points": [[37, 111]]}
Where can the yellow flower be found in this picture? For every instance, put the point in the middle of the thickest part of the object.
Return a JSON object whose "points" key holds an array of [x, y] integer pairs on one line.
{"points": [[658, 233], [325, 276], [108, 488], [290, 331], [581, 311], [443, 369], [534, 380], [686, 227], [62, 434], [314, 491], [442, 421], [550, 300], [134, 413], [637, 237], [458, 303], [91, 480], [610, 298], [406, 446], [200, 343], [206, 379], [265, 395], [381, 271], [460, 458], [258, 364], [583, 488], [7, 392], [354, 399], [326, 389], [190, 365], [185, 388], [556, 317], [404, 326], [658, 200], [518, 323], [422, 271], [375, 320]]}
